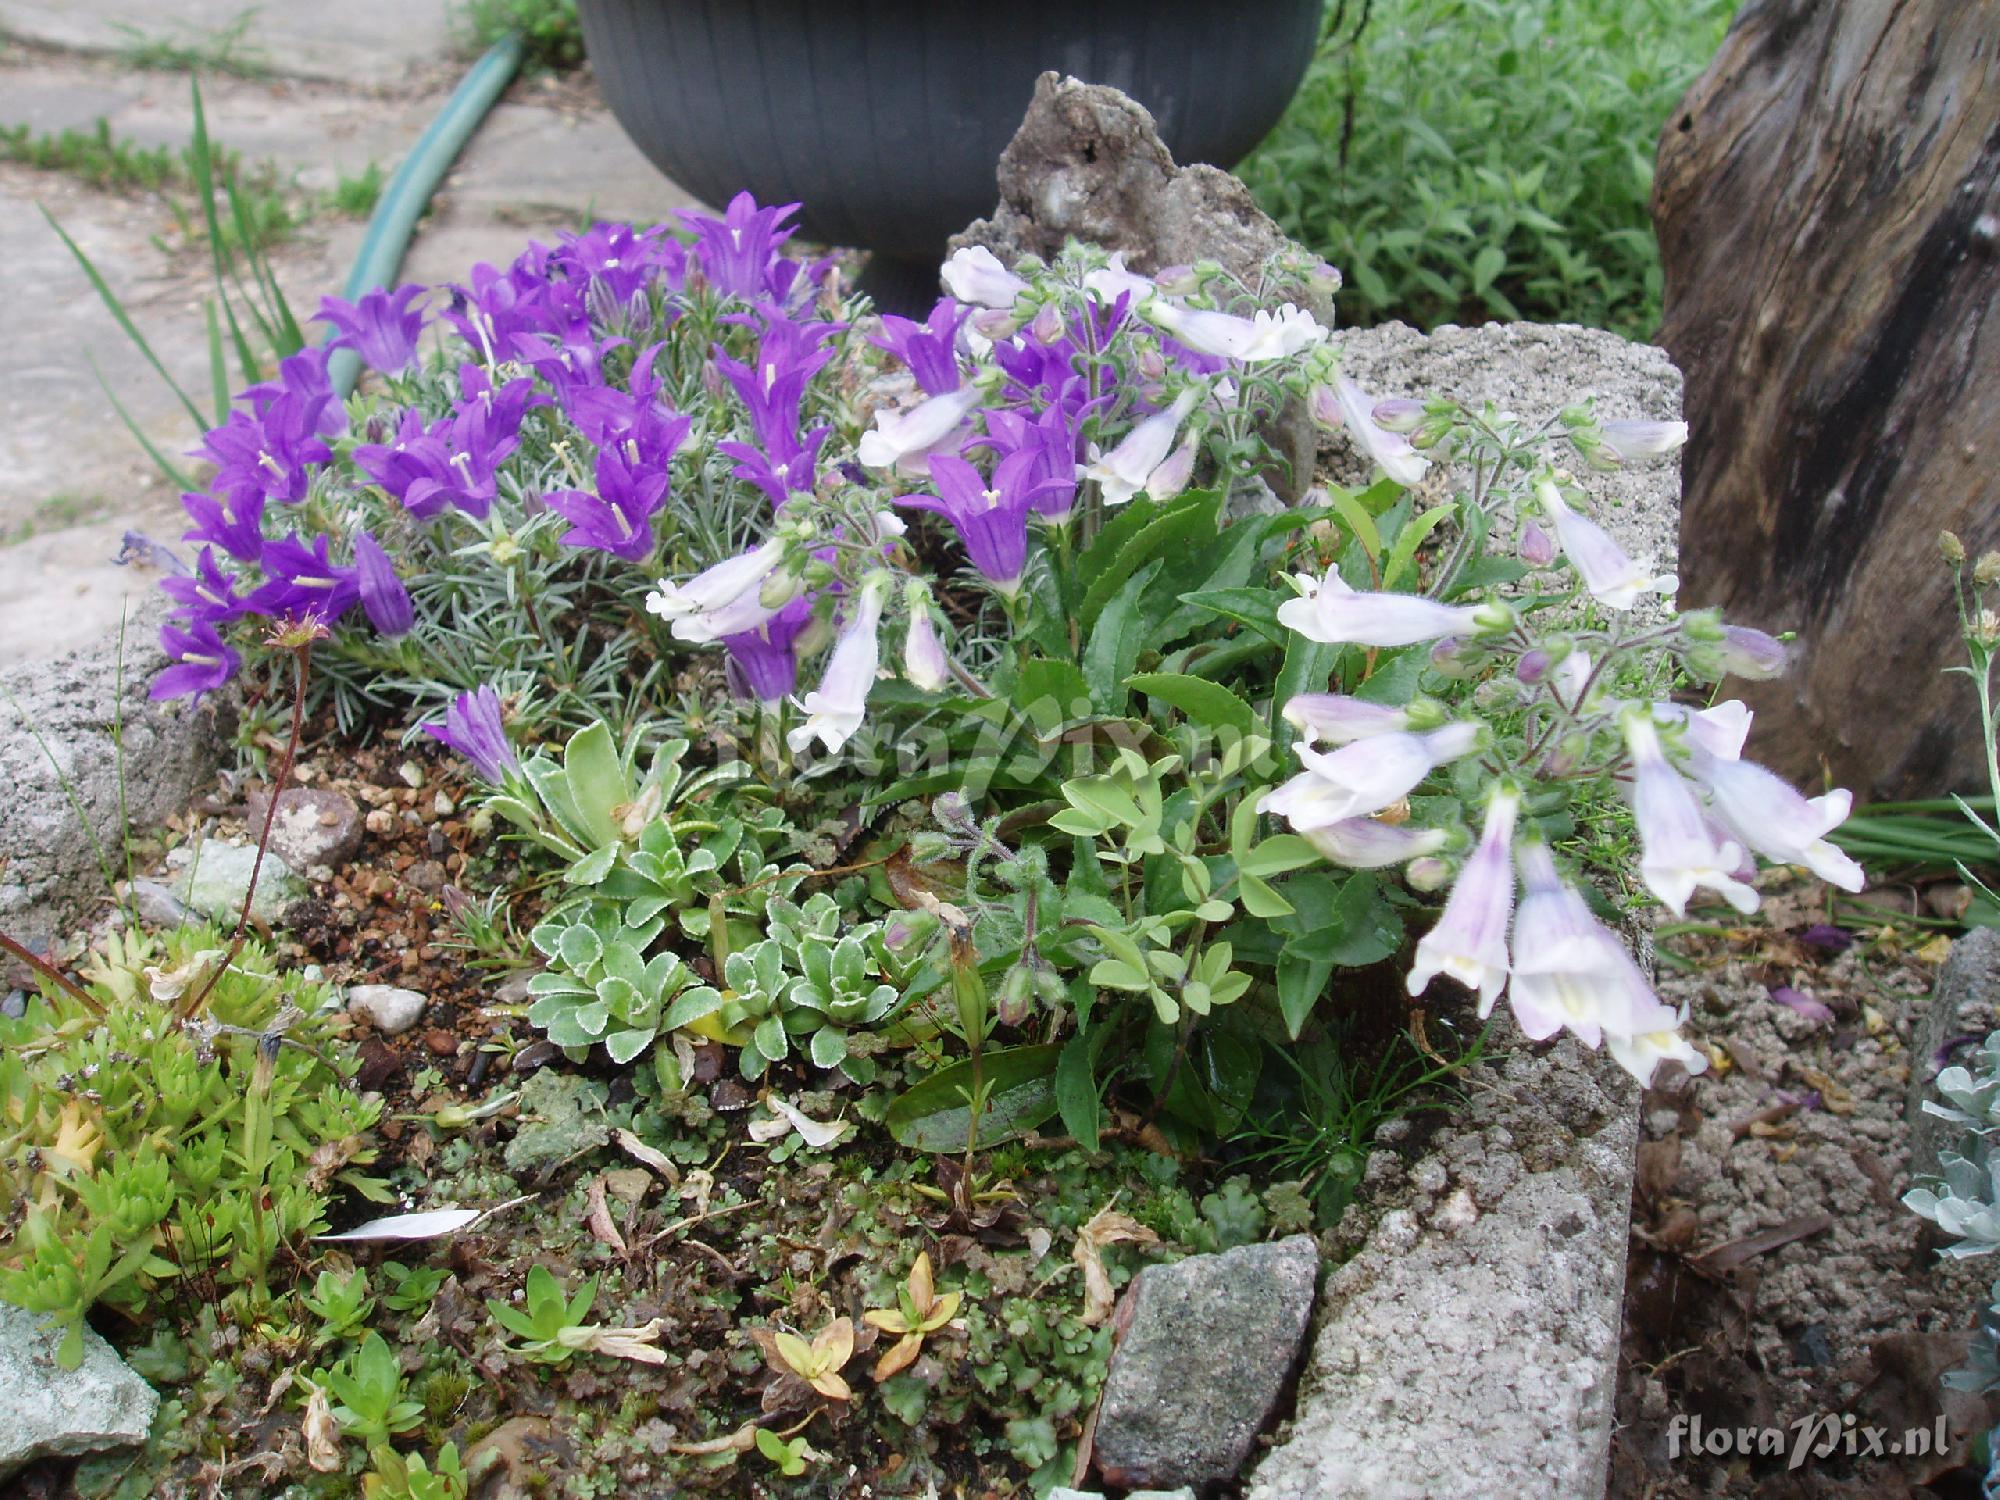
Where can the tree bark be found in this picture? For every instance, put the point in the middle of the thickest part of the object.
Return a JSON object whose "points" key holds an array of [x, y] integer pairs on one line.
{"points": [[1828, 208]]}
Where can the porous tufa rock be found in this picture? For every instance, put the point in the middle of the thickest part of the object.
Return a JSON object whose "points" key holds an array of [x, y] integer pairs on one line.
{"points": [[58, 1413]]}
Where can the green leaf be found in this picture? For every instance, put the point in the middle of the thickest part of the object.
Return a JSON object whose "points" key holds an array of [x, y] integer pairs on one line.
{"points": [[1255, 609], [935, 1114], [1050, 693], [1301, 981], [597, 780], [593, 867], [1402, 557], [1116, 640], [1208, 704], [1346, 923], [1307, 668], [1134, 538], [692, 1005], [623, 1046], [1358, 521], [1076, 1092]]}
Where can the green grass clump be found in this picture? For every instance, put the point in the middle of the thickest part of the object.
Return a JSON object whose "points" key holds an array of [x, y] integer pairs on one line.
{"points": [[1463, 160], [550, 28]]}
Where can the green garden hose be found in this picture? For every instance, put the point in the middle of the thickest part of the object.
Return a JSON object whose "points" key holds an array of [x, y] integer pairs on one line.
{"points": [[409, 191]]}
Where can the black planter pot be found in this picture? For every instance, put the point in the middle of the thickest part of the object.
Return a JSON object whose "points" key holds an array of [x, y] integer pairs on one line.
{"points": [[885, 118]]}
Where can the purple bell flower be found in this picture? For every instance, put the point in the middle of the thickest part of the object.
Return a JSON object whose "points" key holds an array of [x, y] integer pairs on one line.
{"points": [[304, 580], [735, 251], [472, 727], [208, 594], [202, 661], [929, 348], [992, 523], [763, 663], [383, 596], [797, 475], [230, 519], [618, 519], [382, 328]]}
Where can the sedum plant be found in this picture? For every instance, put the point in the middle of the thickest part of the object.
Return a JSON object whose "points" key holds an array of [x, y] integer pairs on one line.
{"points": [[146, 1153]]}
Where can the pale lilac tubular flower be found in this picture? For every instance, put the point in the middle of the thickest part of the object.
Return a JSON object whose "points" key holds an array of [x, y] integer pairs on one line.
{"points": [[975, 275], [1337, 719], [1569, 968], [1367, 844], [1634, 438], [1719, 731], [472, 727], [720, 600], [834, 710], [1330, 612], [1346, 404], [1679, 848], [1110, 282], [1363, 777], [1761, 809], [1398, 414], [1614, 579], [1751, 654], [1174, 472], [1129, 468], [1538, 548], [1265, 336], [898, 438], [925, 663], [1468, 941], [1641, 1052]]}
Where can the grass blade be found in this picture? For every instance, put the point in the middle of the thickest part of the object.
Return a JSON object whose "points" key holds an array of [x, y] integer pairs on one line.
{"points": [[110, 300], [218, 363], [175, 475]]}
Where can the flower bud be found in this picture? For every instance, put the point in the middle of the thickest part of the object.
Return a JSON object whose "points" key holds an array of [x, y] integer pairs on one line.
{"points": [[1324, 278], [1429, 872], [1454, 658], [780, 587], [1986, 629], [1492, 694], [1049, 987], [1986, 572], [1172, 476], [1047, 324], [1177, 281], [816, 635], [1324, 404], [1426, 714], [1952, 548], [996, 323], [1152, 363], [1017, 996], [1751, 653], [1538, 548], [1399, 414], [1532, 668], [1633, 438]]}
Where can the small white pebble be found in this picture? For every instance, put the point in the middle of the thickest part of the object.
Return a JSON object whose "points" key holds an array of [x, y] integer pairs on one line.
{"points": [[412, 773]]}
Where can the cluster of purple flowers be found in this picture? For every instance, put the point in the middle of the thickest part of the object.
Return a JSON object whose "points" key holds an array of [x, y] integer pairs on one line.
{"points": [[539, 335]]}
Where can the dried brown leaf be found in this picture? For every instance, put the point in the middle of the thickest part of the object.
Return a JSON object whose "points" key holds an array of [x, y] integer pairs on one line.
{"points": [[1106, 1227]]}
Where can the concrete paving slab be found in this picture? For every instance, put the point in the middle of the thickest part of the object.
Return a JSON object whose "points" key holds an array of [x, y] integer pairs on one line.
{"points": [[366, 45], [532, 162]]}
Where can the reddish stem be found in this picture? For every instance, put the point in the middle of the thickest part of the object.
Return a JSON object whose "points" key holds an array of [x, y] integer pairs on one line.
{"points": [[51, 973]]}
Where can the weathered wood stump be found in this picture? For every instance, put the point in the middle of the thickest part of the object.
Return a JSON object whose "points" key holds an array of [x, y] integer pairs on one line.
{"points": [[1828, 207]]}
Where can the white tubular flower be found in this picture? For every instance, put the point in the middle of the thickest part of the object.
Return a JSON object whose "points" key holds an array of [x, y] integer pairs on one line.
{"points": [[1569, 968], [1356, 410], [1642, 1052], [1761, 809], [1469, 939], [1336, 719], [975, 275], [1633, 438], [1363, 777], [1263, 336], [834, 710], [1110, 282], [902, 436], [1365, 844], [924, 661], [720, 600], [1614, 579], [1334, 614], [1128, 468], [1678, 849]]}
